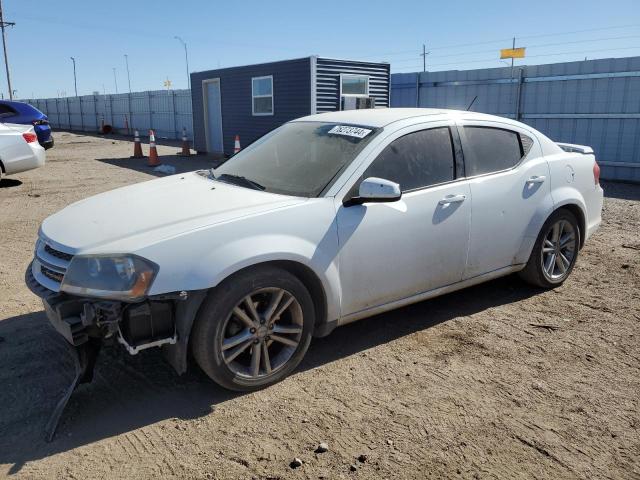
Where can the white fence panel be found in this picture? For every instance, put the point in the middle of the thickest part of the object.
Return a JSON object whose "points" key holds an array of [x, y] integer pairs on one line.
{"points": [[165, 111]]}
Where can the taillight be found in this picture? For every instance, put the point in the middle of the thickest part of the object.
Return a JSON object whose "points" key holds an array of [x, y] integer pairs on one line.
{"points": [[596, 173], [30, 137]]}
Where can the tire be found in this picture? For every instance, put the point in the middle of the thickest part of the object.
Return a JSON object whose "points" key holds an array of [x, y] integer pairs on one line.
{"points": [[542, 269], [227, 336]]}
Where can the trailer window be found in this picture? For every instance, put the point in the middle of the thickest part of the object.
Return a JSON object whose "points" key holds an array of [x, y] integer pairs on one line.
{"points": [[354, 85], [262, 95]]}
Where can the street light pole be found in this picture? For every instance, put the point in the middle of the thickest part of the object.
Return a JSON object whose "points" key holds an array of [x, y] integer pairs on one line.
{"points": [[75, 83], [126, 60], [186, 58], [115, 80], [4, 24]]}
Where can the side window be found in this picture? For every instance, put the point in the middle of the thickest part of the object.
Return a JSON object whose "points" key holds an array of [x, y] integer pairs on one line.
{"points": [[527, 143], [416, 160], [491, 149], [6, 111]]}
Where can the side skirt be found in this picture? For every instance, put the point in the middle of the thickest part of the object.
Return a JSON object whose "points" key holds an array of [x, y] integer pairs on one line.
{"points": [[501, 272]]}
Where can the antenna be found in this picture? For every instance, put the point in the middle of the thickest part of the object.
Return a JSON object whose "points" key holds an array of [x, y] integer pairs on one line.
{"points": [[472, 102]]}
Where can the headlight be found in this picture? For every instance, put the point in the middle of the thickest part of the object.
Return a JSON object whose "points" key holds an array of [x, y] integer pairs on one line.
{"points": [[116, 277]]}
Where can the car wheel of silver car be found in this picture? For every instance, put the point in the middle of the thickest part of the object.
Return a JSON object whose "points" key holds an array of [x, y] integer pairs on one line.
{"points": [[253, 329], [555, 251]]}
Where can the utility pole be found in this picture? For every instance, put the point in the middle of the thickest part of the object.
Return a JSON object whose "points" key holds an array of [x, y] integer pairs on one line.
{"points": [[513, 47], [115, 80], [75, 83], [186, 58], [126, 60], [424, 57], [4, 24]]}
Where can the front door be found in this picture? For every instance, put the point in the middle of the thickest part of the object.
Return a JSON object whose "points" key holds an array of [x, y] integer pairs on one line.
{"points": [[391, 251], [213, 115]]}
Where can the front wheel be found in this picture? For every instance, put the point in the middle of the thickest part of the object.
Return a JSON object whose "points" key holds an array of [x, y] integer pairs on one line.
{"points": [[253, 329], [555, 251]]}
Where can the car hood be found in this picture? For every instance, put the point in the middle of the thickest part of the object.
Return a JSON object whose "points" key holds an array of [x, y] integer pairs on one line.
{"points": [[146, 213]]}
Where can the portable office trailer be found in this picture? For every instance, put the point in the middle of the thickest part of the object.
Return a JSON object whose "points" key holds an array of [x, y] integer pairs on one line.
{"points": [[252, 100]]}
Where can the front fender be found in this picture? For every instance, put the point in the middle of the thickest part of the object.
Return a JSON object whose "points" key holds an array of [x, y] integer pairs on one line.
{"points": [[232, 257], [201, 259]]}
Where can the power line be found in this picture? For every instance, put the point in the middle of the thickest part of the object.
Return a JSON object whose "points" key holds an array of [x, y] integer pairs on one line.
{"points": [[503, 40], [531, 56], [412, 59]]}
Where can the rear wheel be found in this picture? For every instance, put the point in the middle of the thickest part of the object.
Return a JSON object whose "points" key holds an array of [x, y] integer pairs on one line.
{"points": [[253, 329], [555, 251]]}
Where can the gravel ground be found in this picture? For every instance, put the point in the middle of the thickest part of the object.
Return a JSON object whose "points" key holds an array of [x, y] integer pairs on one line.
{"points": [[496, 381]]}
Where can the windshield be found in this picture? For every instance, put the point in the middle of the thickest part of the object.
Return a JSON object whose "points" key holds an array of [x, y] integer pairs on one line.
{"points": [[298, 158]]}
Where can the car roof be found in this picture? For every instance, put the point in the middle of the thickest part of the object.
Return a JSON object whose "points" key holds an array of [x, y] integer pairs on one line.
{"points": [[380, 117], [21, 107]]}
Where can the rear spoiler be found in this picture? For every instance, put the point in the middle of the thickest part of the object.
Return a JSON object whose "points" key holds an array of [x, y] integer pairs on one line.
{"points": [[571, 148]]}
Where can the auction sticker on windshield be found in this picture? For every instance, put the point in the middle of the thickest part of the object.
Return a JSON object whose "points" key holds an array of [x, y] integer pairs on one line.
{"points": [[348, 131]]}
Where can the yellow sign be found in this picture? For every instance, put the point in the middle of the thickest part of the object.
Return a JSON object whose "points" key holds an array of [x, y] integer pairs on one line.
{"points": [[512, 52]]}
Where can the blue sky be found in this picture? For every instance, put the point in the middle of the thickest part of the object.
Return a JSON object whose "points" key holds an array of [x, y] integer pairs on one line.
{"points": [[460, 34]]}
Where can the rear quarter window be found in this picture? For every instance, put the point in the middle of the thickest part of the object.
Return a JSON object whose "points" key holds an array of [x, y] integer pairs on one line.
{"points": [[6, 110], [490, 149]]}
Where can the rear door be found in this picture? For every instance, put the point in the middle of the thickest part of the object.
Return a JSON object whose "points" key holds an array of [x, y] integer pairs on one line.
{"points": [[391, 251], [510, 193]]}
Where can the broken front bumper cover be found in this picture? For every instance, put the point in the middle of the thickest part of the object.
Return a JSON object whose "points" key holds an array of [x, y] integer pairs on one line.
{"points": [[67, 314], [161, 320], [86, 322]]}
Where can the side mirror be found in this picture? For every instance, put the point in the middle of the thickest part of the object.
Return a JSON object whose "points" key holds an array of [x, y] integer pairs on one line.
{"points": [[375, 190]]}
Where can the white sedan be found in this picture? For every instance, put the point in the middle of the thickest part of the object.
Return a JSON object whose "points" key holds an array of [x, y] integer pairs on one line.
{"points": [[328, 219], [19, 149]]}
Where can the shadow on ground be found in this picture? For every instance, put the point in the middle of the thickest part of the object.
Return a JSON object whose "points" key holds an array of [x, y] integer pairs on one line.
{"points": [[131, 392], [623, 191], [10, 182]]}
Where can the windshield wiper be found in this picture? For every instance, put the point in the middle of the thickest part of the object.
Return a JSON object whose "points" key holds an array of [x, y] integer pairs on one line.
{"points": [[239, 180]]}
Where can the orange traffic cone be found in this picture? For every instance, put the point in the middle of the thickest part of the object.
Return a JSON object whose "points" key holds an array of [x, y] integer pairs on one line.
{"points": [[137, 147], [186, 151], [236, 146], [153, 152]]}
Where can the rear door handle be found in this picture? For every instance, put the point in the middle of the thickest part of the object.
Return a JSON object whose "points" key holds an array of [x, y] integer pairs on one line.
{"points": [[537, 179], [452, 199]]}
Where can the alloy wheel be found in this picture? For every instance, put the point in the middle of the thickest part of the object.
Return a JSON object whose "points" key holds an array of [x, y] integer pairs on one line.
{"points": [[558, 250], [262, 333]]}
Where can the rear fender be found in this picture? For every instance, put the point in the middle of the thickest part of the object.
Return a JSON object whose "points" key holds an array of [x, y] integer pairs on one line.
{"points": [[558, 198]]}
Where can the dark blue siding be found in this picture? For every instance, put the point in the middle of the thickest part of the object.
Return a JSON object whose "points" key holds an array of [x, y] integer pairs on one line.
{"points": [[292, 99]]}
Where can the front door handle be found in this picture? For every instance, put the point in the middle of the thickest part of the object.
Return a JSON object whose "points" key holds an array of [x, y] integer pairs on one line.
{"points": [[452, 199], [537, 179]]}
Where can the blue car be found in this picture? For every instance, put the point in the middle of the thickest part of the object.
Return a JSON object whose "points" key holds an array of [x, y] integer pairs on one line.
{"points": [[25, 114]]}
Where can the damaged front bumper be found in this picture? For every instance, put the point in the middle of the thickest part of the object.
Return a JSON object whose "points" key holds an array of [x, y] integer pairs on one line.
{"points": [[162, 320], [145, 324], [157, 321]]}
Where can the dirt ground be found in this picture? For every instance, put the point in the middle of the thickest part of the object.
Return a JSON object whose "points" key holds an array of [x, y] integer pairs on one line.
{"points": [[497, 381]]}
